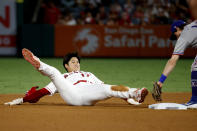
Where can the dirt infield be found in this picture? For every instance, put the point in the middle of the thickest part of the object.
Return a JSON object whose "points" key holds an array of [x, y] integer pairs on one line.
{"points": [[52, 114]]}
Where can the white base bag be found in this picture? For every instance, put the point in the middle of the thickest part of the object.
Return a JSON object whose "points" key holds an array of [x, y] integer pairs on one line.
{"points": [[167, 106]]}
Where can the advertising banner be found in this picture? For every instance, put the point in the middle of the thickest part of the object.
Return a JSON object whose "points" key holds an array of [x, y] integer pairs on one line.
{"points": [[115, 41], [7, 27]]}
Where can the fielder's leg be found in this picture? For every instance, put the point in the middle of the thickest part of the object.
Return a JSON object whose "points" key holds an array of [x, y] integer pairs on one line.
{"points": [[193, 100], [65, 88]]}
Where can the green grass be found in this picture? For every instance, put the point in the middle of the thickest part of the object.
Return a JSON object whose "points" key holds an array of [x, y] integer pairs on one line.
{"points": [[17, 75]]}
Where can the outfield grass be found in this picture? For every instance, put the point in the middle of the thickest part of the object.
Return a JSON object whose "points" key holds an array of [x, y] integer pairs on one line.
{"points": [[17, 76]]}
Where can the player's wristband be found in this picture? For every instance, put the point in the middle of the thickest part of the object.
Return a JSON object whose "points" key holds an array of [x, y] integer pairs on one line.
{"points": [[162, 78]]}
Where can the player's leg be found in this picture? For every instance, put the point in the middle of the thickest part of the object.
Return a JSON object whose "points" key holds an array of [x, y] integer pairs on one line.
{"points": [[193, 99], [66, 90], [130, 93], [90, 94], [96, 92]]}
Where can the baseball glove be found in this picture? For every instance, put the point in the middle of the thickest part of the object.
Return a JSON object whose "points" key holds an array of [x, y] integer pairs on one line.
{"points": [[156, 92]]}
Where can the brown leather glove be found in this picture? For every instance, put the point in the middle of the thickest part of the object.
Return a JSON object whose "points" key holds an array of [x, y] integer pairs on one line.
{"points": [[156, 92]]}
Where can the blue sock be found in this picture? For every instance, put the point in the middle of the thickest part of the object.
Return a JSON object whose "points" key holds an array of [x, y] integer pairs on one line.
{"points": [[194, 85]]}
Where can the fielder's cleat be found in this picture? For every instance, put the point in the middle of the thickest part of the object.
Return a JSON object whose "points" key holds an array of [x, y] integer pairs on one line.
{"points": [[191, 102], [141, 95], [193, 106], [29, 56], [15, 102], [31, 91]]}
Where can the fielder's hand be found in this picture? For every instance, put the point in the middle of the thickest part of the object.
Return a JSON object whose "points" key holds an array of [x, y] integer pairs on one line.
{"points": [[156, 92]]}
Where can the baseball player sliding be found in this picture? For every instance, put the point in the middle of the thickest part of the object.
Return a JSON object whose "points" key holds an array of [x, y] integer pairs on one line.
{"points": [[187, 37], [76, 87]]}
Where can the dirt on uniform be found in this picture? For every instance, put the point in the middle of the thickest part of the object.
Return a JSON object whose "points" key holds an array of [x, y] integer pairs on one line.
{"points": [[52, 114]]}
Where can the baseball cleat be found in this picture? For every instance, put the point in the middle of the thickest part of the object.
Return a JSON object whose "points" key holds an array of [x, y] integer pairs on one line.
{"points": [[191, 102], [193, 106], [141, 95], [15, 102], [29, 56]]}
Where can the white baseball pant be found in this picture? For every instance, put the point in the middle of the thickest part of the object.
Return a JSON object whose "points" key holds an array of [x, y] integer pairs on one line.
{"points": [[84, 95]]}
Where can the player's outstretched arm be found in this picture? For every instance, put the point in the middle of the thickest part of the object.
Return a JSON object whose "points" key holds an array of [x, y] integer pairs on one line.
{"points": [[156, 91], [170, 65], [168, 69], [32, 96]]}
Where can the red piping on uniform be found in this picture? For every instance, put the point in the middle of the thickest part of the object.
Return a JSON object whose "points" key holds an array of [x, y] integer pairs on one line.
{"points": [[80, 81]]}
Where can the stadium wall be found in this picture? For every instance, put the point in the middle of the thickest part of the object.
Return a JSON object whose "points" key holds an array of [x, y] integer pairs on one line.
{"points": [[99, 41], [89, 40], [39, 38], [115, 41]]}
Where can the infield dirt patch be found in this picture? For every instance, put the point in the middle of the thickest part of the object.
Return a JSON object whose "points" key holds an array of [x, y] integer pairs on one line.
{"points": [[52, 114]]}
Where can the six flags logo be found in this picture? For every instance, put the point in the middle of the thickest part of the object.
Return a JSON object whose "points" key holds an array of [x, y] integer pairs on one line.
{"points": [[87, 40]]}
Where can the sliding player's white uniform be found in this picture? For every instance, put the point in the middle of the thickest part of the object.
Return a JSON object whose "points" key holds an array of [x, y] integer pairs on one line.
{"points": [[77, 79], [81, 88]]}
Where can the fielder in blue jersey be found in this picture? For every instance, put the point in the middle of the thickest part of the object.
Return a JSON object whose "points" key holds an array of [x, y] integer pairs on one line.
{"points": [[186, 36]]}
